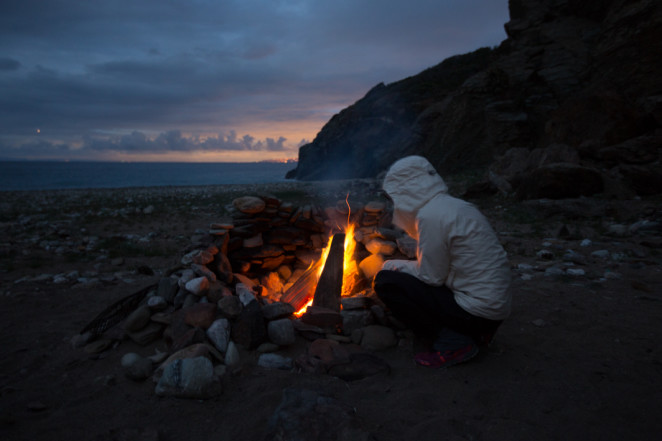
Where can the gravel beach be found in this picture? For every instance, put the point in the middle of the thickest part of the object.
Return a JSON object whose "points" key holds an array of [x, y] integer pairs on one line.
{"points": [[579, 358]]}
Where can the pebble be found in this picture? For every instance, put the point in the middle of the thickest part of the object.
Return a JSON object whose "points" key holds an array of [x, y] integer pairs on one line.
{"points": [[575, 272], [281, 332], [219, 334], [274, 361], [138, 319], [249, 204], [198, 286], [189, 378], [377, 338]]}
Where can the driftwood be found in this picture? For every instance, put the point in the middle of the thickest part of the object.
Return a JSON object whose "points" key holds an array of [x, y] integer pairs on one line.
{"points": [[329, 286], [116, 312], [300, 292]]}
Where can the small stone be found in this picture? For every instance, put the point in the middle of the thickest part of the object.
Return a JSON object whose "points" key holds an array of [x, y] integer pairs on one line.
{"points": [[407, 246], [281, 332], [267, 347], [274, 361], [377, 338], [355, 319], [539, 322], [129, 358], [374, 207], [249, 204], [232, 359], [371, 265], [380, 246], [575, 272], [157, 303], [219, 334], [200, 315], [230, 307], [585, 243], [601, 254], [277, 310], [148, 334], [198, 286], [189, 378], [139, 370], [554, 271], [138, 319], [244, 293], [203, 271]]}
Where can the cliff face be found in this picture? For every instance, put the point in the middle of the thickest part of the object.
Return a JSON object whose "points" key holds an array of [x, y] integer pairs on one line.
{"points": [[572, 95]]}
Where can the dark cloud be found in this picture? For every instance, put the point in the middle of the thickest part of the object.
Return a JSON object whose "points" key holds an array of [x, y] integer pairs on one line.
{"points": [[9, 64], [71, 68]]}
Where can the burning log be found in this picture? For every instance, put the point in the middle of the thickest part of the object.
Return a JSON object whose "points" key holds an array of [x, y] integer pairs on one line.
{"points": [[299, 293], [329, 286]]}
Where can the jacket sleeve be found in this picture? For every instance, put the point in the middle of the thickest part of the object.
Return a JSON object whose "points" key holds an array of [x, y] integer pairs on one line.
{"points": [[432, 256]]}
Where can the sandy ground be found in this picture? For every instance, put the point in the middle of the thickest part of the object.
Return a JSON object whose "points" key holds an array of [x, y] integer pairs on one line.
{"points": [[579, 359]]}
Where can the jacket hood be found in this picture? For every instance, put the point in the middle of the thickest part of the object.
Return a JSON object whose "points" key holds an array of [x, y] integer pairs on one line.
{"points": [[411, 182]]}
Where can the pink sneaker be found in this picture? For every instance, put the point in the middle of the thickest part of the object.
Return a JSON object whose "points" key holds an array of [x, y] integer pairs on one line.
{"points": [[447, 358]]}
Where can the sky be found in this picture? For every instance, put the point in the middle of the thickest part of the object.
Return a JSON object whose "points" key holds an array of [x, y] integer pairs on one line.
{"points": [[210, 80]]}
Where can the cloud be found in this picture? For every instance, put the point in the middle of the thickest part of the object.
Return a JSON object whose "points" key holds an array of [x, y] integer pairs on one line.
{"points": [[72, 68], [9, 64]]}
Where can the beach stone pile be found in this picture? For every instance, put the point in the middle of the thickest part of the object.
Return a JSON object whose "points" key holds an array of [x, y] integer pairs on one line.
{"points": [[226, 296]]}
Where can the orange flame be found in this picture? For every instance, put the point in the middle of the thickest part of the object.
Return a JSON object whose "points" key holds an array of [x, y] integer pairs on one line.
{"points": [[350, 266]]}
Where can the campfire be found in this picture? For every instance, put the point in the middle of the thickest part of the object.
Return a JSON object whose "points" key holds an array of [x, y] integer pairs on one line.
{"points": [[334, 275], [274, 272]]}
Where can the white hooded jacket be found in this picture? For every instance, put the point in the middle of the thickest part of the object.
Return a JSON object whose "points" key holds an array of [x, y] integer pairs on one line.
{"points": [[456, 244]]}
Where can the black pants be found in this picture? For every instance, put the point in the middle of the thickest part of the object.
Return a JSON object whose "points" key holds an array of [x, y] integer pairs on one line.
{"points": [[427, 309]]}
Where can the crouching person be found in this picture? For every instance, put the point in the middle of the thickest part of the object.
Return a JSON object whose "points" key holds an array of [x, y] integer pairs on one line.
{"points": [[455, 294]]}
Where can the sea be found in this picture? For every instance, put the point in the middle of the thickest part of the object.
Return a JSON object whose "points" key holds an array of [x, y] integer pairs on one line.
{"points": [[51, 175]]}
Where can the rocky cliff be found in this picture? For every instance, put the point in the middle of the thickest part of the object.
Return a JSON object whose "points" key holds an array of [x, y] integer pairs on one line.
{"points": [[569, 104]]}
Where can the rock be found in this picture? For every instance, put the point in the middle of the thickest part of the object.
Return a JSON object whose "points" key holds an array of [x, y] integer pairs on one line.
{"points": [[157, 303], [380, 246], [138, 319], [148, 334], [277, 310], [249, 329], [407, 246], [244, 293], [305, 415], [200, 315], [249, 204], [281, 332], [203, 271], [219, 334], [232, 359], [575, 272], [230, 307], [375, 207], [198, 286], [274, 361], [356, 302], [129, 358], [355, 319], [601, 254], [139, 370], [322, 317], [167, 288], [189, 378], [378, 338], [371, 265], [193, 351], [361, 365]]}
